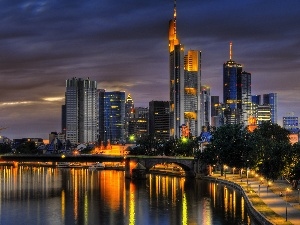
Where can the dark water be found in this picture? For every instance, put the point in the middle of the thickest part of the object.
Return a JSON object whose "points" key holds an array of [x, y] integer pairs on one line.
{"points": [[51, 196]]}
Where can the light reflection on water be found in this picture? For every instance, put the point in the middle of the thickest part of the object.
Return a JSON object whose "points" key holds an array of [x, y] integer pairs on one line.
{"points": [[41, 196]]}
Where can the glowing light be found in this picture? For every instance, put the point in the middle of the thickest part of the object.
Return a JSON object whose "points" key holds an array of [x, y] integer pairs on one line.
{"points": [[53, 99], [15, 103], [184, 211]]}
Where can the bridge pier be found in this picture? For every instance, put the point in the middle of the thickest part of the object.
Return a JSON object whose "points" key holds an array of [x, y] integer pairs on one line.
{"points": [[15, 164]]}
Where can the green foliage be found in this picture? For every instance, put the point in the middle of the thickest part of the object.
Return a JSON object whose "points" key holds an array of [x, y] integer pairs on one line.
{"points": [[272, 146], [229, 145], [293, 170]]}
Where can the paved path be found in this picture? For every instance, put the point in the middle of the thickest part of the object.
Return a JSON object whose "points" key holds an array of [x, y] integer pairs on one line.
{"points": [[276, 203]]}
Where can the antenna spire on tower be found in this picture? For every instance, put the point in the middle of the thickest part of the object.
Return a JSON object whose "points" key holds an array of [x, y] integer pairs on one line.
{"points": [[175, 14], [230, 51]]}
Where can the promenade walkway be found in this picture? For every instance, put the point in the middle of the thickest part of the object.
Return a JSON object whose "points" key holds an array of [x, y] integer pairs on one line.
{"points": [[286, 206]]}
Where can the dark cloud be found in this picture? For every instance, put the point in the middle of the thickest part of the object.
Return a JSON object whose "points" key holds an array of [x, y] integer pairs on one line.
{"points": [[123, 45]]}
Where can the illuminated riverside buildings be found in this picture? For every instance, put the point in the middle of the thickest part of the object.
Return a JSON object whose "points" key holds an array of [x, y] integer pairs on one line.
{"points": [[81, 105], [185, 83], [236, 92]]}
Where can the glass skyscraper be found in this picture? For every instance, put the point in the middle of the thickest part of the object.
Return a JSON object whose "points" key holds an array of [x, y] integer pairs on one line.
{"points": [[81, 111], [271, 99], [112, 109], [236, 92]]}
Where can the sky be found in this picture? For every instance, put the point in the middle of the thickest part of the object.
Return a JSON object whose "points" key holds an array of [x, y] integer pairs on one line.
{"points": [[123, 45]]}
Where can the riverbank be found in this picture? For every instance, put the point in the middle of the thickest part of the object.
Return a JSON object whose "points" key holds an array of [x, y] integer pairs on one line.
{"points": [[265, 197]]}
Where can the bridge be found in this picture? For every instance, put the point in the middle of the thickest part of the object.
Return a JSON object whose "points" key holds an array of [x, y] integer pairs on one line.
{"points": [[190, 165]]}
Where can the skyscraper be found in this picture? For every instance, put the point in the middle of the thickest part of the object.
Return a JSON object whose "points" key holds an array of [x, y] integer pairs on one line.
{"points": [[176, 51], [185, 83], [159, 120], [129, 110], [271, 99], [205, 106], [112, 107], [236, 92], [81, 102]]}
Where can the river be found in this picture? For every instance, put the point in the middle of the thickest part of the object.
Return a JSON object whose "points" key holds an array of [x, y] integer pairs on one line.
{"points": [[56, 196]]}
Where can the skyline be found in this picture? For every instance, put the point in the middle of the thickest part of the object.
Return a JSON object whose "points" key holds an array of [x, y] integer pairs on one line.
{"points": [[44, 43]]}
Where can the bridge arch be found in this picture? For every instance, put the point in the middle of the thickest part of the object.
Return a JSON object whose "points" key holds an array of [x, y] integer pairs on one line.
{"points": [[186, 163]]}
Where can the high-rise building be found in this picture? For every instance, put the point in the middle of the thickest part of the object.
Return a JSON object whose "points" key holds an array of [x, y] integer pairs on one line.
{"points": [[271, 99], [81, 102], [185, 83], [159, 116], [205, 106], [138, 122], [112, 107], [129, 113], [236, 92]]}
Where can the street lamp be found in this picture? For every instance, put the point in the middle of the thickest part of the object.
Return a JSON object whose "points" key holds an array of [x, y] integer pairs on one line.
{"points": [[298, 196], [286, 203], [225, 170], [247, 174], [259, 190]]}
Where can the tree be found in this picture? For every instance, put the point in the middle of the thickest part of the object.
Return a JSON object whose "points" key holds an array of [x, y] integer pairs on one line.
{"points": [[272, 146], [229, 146]]}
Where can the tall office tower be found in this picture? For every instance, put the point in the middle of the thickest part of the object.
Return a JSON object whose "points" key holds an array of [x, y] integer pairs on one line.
{"points": [[81, 102], [138, 122], [236, 92], [271, 99], [244, 92], [102, 135], [185, 83], [129, 110], [290, 122], [112, 105], [159, 116], [176, 51], [192, 93], [205, 106]]}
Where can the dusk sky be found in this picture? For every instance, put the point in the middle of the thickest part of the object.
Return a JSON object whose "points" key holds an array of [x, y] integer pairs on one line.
{"points": [[123, 45]]}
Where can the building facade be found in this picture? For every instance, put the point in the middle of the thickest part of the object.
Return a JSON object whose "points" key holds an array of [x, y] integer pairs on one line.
{"points": [[159, 116], [112, 109], [271, 99], [81, 101]]}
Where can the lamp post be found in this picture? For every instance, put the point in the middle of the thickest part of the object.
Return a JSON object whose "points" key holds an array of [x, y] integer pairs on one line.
{"points": [[286, 203], [247, 174], [259, 190], [225, 171], [298, 196]]}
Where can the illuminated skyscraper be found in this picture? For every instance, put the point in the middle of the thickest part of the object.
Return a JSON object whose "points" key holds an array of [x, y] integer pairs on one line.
{"points": [[81, 102], [112, 109], [236, 92], [129, 113], [185, 83]]}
